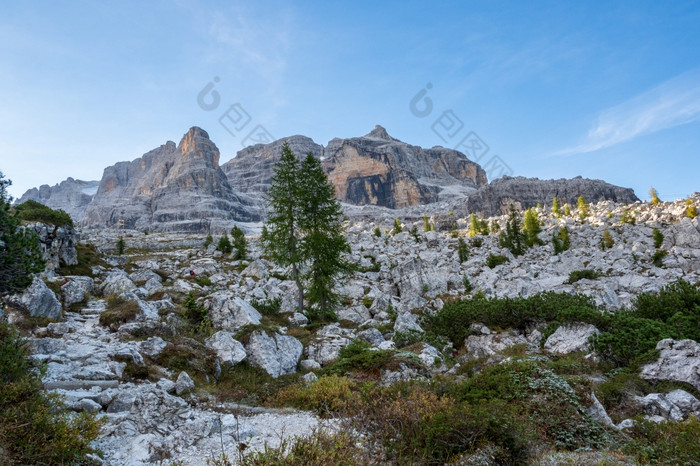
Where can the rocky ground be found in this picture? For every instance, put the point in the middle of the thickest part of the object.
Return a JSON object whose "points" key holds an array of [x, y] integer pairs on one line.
{"points": [[156, 411]]}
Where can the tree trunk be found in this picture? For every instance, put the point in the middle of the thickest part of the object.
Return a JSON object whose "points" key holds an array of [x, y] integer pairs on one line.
{"points": [[297, 279]]}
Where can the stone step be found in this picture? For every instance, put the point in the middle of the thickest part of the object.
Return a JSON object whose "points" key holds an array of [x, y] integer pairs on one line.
{"points": [[80, 384]]}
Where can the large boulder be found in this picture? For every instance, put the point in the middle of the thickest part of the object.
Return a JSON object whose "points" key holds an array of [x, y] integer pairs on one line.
{"points": [[326, 346], [117, 282], [484, 345], [229, 312], [39, 301], [678, 361], [685, 234], [572, 338], [277, 354], [76, 289], [229, 350]]}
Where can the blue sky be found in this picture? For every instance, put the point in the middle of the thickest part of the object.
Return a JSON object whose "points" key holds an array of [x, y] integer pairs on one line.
{"points": [[607, 90]]}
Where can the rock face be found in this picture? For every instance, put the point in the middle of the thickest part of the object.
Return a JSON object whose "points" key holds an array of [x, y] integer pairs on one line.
{"points": [[57, 245], [171, 188], [252, 168], [377, 169], [496, 197], [72, 196]]}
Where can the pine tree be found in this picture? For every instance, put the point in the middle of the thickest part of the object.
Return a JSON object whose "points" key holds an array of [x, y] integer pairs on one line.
{"points": [[473, 226], [397, 226], [654, 196], [281, 237], [323, 242], [239, 243], [567, 210], [556, 210], [224, 245], [583, 209], [483, 227], [606, 242], [690, 211], [513, 238], [120, 246], [20, 254], [208, 241], [378, 232], [495, 227], [462, 250], [658, 237], [561, 241], [531, 227], [426, 223]]}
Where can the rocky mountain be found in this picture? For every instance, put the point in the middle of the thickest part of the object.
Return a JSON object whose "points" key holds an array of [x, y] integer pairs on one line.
{"points": [[183, 188], [496, 197], [72, 196], [171, 188], [374, 169]]}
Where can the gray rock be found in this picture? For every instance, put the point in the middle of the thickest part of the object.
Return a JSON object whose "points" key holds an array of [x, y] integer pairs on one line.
{"points": [[571, 338], [184, 383], [597, 412], [116, 283], [76, 289], [229, 312], [309, 378], [87, 405], [684, 401], [309, 365], [479, 346], [685, 234], [39, 301], [228, 350], [153, 346], [678, 361], [656, 404], [298, 320], [328, 343], [372, 336], [355, 314], [277, 355], [407, 323]]}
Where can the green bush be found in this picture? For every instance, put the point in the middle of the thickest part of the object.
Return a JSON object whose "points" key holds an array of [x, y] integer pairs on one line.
{"points": [[328, 395], [322, 448], [378, 232], [588, 274], [240, 244], [454, 319], [267, 306], [203, 280], [118, 311], [513, 238], [34, 426], [665, 443], [476, 242], [224, 245], [495, 259], [32, 211], [209, 240], [627, 217], [607, 241], [358, 356]]}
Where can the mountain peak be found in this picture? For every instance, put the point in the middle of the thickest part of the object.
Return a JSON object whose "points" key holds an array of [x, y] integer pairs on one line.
{"points": [[379, 132]]}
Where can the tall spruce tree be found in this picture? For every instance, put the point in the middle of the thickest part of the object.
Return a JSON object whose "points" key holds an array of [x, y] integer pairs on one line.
{"points": [[323, 240], [282, 234], [512, 238], [239, 243], [556, 209], [20, 254], [531, 228]]}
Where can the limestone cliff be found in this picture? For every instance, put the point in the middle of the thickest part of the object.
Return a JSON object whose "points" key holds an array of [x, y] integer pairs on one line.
{"points": [[496, 197], [72, 196], [171, 188], [377, 169]]}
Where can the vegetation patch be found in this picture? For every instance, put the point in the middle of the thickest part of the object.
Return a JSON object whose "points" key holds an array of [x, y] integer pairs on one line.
{"points": [[119, 311], [32, 211], [587, 274]]}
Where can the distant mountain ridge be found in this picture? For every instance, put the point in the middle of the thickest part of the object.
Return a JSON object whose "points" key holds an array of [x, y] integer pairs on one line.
{"points": [[182, 188]]}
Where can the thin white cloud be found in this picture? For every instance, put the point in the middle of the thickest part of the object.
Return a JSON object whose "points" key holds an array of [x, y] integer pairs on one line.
{"points": [[674, 102]]}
